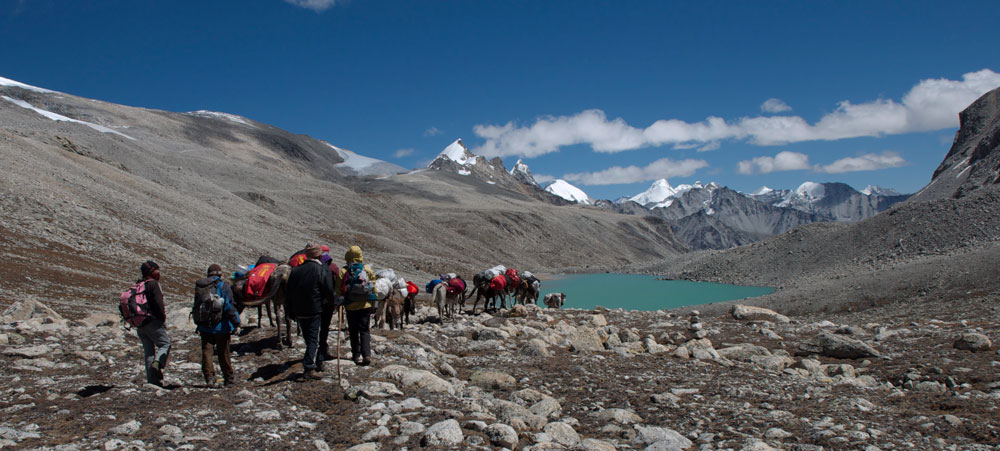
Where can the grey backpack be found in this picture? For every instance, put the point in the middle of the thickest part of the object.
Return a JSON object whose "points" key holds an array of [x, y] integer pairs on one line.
{"points": [[208, 302]]}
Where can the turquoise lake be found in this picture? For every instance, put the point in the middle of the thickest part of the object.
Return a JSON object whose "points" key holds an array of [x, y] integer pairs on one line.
{"points": [[639, 292]]}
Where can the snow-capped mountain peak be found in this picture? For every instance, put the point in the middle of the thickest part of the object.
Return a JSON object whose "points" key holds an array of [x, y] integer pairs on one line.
{"points": [[569, 192], [458, 153], [764, 190], [878, 190], [811, 190], [660, 193]]}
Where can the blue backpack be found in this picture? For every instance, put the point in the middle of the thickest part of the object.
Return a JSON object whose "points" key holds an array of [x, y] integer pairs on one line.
{"points": [[357, 285]]}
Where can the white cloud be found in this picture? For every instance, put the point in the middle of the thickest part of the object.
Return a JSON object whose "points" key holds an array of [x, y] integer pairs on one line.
{"points": [[548, 134], [794, 161], [931, 104], [866, 162], [402, 153], [663, 168], [714, 145], [433, 131], [783, 161], [773, 105], [315, 5], [543, 178]]}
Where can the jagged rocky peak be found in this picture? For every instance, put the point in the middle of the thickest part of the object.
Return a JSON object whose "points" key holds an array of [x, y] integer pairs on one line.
{"points": [[457, 158], [569, 192], [973, 162], [521, 172]]}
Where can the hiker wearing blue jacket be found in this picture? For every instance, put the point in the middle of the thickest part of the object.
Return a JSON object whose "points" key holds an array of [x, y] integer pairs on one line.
{"points": [[215, 335]]}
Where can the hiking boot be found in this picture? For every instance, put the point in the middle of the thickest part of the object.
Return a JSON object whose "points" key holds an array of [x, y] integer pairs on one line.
{"points": [[156, 372], [230, 382], [358, 360], [310, 374], [319, 367], [366, 361]]}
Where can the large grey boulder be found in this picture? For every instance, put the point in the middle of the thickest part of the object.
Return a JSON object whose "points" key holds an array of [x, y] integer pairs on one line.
{"points": [[443, 434], [973, 342], [535, 348], [743, 352], [29, 309], [493, 380], [648, 435], [417, 379], [621, 416], [501, 435], [747, 312], [562, 433], [586, 339], [547, 407], [839, 346]]}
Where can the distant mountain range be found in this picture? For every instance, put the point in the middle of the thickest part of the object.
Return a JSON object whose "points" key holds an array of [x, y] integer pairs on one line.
{"points": [[703, 216]]}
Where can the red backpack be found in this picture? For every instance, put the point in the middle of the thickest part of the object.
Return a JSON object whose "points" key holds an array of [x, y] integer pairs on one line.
{"points": [[498, 283], [412, 288], [514, 279], [256, 286], [133, 306], [455, 285]]}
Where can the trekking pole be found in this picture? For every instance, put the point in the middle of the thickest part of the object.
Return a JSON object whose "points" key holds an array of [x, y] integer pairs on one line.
{"points": [[338, 344]]}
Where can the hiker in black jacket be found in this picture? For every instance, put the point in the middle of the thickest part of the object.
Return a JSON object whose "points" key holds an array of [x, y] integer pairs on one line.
{"points": [[153, 332], [309, 286]]}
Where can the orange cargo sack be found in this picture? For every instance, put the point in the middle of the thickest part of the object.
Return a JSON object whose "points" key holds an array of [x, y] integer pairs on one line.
{"points": [[257, 280]]}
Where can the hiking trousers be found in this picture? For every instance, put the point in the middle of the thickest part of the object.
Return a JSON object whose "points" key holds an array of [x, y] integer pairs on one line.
{"points": [[324, 329], [358, 324], [211, 344], [310, 332], [155, 347]]}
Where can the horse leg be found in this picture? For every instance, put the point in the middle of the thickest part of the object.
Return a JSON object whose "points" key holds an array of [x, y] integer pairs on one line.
{"points": [[268, 307], [277, 315]]}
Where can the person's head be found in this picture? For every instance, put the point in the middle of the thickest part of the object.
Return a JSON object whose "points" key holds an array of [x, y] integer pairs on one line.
{"points": [[214, 270], [313, 251], [150, 270], [354, 255]]}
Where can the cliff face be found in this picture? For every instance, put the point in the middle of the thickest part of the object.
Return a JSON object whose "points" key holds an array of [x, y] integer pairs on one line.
{"points": [[973, 162]]}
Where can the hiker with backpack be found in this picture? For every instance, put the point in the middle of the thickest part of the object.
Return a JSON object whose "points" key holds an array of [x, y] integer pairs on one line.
{"points": [[357, 286], [142, 307], [309, 286], [217, 318]]}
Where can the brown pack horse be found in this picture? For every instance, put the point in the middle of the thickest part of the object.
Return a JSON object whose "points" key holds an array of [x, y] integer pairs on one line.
{"points": [[273, 300]]}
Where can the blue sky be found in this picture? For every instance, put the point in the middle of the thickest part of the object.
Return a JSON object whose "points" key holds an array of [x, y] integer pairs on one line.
{"points": [[608, 95]]}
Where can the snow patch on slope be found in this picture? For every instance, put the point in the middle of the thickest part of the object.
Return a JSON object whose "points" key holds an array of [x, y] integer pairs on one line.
{"points": [[216, 114], [17, 84], [59, 117]]}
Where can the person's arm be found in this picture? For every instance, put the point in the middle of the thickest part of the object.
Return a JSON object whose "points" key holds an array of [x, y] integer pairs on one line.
{"points": [[326, 287], [154, 297], [231, 313]]}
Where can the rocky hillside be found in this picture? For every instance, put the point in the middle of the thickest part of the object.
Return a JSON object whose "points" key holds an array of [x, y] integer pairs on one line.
{"points": [[92, 189]]}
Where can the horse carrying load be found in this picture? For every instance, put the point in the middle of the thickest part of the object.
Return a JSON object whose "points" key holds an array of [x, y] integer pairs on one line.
{"points": [[263, 286]]}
